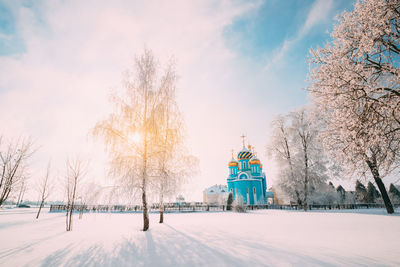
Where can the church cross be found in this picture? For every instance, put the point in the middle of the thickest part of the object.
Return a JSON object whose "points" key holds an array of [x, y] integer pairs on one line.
{"points": [[243, 136]]}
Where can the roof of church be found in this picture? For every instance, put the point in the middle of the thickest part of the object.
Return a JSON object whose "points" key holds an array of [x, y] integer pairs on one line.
{"points": [[254, 160], [244, 154], [233, 163]]}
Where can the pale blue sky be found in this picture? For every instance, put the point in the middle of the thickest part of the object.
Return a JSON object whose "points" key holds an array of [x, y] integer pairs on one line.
{"points": [[240, 64]]}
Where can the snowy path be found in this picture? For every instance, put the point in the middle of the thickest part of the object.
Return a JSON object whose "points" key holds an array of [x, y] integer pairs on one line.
{"points": [[261, 238]]}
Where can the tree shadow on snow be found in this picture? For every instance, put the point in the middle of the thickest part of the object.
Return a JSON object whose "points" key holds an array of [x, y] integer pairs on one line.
{"points": [[172, 247]]}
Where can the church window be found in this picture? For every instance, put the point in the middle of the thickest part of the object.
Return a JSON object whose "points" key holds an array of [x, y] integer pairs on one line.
{"points": [[244, 165], [247, 190], [254, 190]]}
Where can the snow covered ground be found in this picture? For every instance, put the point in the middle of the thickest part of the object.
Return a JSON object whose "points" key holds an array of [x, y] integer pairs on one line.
{"points": [[259, 238]]}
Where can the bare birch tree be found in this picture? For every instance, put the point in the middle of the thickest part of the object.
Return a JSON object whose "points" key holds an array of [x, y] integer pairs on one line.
{"points": [[132, 131], [13, 163], [355, 83], [75, 171], [44, 189]]}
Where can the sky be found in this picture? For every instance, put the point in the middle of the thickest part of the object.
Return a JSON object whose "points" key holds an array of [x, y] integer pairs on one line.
{"points": [[240, 64]]}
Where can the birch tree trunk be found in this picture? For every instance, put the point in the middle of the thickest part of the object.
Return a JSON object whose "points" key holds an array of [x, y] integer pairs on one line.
{"points": [[40, 208], [161, 209]]}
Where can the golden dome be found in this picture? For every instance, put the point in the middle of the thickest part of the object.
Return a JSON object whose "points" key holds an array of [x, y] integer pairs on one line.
{"points": [[233, 163], [254, 161]]}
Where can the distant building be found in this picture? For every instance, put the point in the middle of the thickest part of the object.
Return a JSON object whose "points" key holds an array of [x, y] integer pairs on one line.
{"points": [[180, 199], [216, 194], [272, 197], [246, 178]]}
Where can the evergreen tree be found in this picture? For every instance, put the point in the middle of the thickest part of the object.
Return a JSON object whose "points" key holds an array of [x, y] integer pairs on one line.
{"points": [[361, 192], [372, 193], [394, 193], [229, 202], [342, 193], [331, 185]]}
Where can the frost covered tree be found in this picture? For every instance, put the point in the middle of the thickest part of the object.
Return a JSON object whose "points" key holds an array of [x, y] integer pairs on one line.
{"points": [[133, 132], [14, 156], [280, 147], [174, 164], [172, 173], [239, 205], [394, 194], [355, 83], [298, 152], [325, 194]]}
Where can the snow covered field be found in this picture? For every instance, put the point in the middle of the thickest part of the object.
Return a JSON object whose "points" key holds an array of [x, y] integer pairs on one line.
{"points": [[259, 238]]}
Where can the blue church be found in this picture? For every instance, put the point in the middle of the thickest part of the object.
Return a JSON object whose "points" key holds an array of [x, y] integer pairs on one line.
{"points": [[246, 178]]}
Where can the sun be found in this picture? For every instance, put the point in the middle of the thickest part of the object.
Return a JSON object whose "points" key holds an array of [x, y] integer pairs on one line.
{"points": [[135, 138]]}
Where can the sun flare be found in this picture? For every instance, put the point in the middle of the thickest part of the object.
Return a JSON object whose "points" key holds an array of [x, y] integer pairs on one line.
{"points": [[135, 138]]}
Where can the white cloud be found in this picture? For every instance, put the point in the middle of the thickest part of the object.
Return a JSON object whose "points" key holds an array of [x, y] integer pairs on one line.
{"points": [[319, 12]]}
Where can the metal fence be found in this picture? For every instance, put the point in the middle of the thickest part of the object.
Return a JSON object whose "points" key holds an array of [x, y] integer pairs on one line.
{"points": [[199, 206]]}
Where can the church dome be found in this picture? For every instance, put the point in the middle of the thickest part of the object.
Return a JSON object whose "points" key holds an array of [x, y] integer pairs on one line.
{"points": [[254, 161], [244, 154], [233, 163]]}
